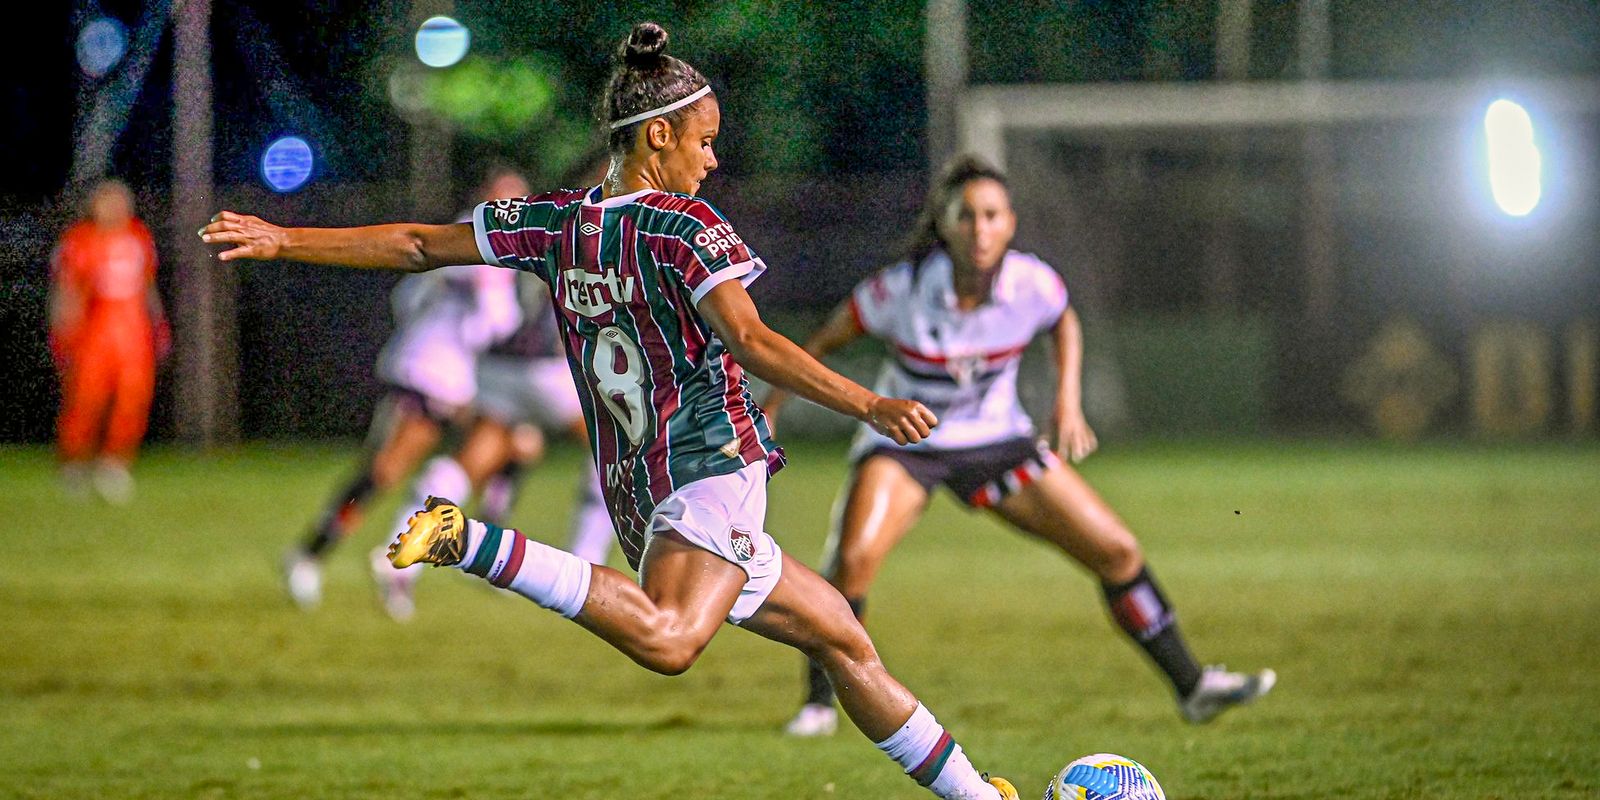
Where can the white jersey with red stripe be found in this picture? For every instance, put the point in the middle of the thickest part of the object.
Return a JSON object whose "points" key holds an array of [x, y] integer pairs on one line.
{"points": [[445, 320], [961, 364]]}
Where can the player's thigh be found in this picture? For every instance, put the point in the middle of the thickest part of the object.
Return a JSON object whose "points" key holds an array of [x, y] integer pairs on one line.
{"points": [[878, 506], [92, 376], [136, 383], [693, 590], [1061, 508], [806, 612]]}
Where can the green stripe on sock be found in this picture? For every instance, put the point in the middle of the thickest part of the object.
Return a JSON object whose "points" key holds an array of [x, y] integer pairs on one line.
{"points": [[931, 772], [487, 550]]}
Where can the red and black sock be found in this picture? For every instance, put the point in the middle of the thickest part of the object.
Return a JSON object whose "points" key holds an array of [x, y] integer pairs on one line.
{"points": [[342, 517], [1142, 611]]}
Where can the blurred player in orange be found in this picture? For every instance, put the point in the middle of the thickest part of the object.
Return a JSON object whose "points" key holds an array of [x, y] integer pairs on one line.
{"points": [[106, 331]]}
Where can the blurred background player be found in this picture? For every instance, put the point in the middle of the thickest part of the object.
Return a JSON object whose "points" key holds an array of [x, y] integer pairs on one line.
{"points": [[525, 390], [443, 322], [958, 313], [107, 331]]}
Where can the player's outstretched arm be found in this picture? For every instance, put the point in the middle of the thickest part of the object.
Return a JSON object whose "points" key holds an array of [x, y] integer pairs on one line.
{"points": [[780, 362], [408, 247], [839, 330]]}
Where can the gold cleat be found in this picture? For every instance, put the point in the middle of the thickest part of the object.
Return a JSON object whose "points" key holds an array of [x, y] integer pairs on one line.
{"points": [[435, 535], [1007, 791]]}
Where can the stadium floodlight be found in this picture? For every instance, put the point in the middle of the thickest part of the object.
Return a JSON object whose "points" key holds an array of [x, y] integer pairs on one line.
{"points": [[442, 41], [1514, 160], [286, 164], [101, 44]]}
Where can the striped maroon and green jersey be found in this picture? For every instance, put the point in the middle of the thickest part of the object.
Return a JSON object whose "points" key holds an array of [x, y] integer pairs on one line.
{"points": [[665, 402]]}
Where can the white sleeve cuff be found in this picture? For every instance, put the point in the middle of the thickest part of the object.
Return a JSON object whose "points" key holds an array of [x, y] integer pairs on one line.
{"points": [[480, 235], [745, 271]]}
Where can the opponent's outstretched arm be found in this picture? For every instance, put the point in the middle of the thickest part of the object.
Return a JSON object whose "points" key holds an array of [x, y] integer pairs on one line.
{"points": [[1075, 440], [782, 363], [407, 247]]}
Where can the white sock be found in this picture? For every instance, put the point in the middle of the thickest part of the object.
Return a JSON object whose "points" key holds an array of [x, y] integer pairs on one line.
{"points": [[592, 534], [555, 579], [931, 757]]}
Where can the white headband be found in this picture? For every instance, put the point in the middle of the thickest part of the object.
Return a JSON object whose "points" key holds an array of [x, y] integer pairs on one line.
{"points": [[666, 109]]}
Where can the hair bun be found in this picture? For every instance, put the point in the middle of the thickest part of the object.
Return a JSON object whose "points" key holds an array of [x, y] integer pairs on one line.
{"points": [[646, 45]]}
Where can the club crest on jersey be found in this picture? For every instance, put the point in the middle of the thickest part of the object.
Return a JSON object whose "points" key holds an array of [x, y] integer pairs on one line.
{"points": [[592, 295], [744, 546]]}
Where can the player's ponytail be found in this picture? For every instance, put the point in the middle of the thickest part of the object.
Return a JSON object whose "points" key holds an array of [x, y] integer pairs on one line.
{"points": [[957, 173], [645, 79]]}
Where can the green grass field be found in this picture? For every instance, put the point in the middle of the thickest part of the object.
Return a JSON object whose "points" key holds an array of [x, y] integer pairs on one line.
{"points": [[1434, 615]]}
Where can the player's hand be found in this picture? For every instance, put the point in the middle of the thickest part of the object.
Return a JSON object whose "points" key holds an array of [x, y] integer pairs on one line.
{"points": [[904, 421], [1075, 440], [251, 237]]}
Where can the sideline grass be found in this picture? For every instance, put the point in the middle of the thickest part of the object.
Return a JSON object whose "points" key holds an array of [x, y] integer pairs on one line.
{"points": [[1433, 613]]}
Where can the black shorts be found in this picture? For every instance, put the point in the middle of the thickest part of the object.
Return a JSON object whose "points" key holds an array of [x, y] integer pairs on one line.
{"points": [[979, 476], [403, 398]]}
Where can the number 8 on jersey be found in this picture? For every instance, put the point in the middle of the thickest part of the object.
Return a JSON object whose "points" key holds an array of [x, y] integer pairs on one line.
{"points": [[621, 390]]}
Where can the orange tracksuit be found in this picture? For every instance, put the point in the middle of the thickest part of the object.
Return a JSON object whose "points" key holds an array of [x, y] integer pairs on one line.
{"points": [[106, 341]]}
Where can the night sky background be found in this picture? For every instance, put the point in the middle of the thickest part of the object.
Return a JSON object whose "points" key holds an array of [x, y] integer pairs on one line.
{"points": [[823, 163]]}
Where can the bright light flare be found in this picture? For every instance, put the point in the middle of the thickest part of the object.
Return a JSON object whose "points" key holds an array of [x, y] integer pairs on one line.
{"points": [[441, 41], [1514, 160], [286, 164], [101, 44]]}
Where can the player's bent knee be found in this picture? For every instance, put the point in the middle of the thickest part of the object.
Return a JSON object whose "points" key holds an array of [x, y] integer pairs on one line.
{"points": [[843, 644], [1121, 558], [669, 649], [670, 656]]}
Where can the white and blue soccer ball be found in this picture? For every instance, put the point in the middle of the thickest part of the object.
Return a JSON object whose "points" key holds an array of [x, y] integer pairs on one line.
{"points": [[1104, 776]]}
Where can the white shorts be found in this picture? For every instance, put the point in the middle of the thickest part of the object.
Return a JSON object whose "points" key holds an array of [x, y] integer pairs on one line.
{"points": [[429, 358], [726, 515], [519, 391]]}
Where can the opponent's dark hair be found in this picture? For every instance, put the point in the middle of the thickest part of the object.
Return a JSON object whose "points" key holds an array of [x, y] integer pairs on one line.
{"points": [[645, 77], [957, 173]]}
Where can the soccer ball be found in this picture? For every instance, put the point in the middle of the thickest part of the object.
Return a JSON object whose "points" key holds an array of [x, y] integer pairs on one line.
{"points": [[1104, 776]]}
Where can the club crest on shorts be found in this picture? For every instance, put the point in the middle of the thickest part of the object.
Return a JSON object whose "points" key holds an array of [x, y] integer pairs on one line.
{"points": [[744, 546]]}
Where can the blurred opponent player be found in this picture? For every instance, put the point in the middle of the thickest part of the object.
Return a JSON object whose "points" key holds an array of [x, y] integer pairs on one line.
{"points": [[107, 330], [649, 283], [957, 313], [443, 322], [524, 390]]}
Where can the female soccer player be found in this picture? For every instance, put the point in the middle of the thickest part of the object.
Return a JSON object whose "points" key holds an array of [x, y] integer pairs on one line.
{"points": [[106, 331], [649, 284], [443, 322], [958, 312]]}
